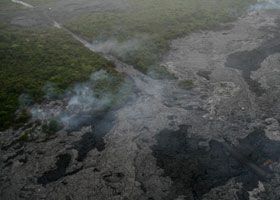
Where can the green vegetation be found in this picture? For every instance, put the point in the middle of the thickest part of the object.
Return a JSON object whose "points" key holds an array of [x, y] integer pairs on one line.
{"points": [[112, 91], [35, 64], [9, 5], [38, 2], [154, 23], [52, 127], [160, 72], [186, 84], [23, 138], [23, 117]]}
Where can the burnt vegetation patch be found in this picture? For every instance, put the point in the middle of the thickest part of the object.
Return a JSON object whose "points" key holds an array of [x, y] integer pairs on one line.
{"points": [[196, 169]]}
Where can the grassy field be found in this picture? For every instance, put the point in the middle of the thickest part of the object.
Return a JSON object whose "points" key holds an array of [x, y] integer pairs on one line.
{"points": [[153, 23], [30, 60], [9, 5], [38, 2]]}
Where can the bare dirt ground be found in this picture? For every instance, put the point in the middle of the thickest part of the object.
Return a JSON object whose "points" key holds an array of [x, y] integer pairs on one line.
{"points": [[218, 139]]}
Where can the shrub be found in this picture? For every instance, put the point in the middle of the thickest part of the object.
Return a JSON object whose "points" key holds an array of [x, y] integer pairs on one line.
{"points": [[52, 127], [186, 84], [23, 138], [23, 117]]}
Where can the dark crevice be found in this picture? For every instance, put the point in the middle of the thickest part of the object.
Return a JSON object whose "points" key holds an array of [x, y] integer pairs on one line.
{"points": [[88, 142], [101, 125], [113, 177], [20, 152], [5, 148], [62, 163], [74, 171], [204, 74]]}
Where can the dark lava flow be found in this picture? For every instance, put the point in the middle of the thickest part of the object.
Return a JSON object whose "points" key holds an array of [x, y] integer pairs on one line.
{"points": [[62, 163], [101, 125], [248, 61], [195, 170], [89, 141]]}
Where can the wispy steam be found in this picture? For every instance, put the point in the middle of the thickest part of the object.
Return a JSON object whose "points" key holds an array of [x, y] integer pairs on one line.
{"points": [[117, 48], [80, 104], [49, 91], [24, 100], [266, 4]]}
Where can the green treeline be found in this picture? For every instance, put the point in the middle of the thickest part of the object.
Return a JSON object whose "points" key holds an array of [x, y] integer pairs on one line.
{"points": [[9, 5], [38, 2], [31, 60]]}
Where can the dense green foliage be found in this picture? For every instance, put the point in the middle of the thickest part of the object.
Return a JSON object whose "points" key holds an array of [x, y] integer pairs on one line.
{"points": [[38, 2], [52, 127], [155, 23], [32, 61], [8, 5], [21, 118], [187, 84], [23, 138]]}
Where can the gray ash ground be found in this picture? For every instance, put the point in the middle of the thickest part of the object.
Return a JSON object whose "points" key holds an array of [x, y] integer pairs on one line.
{"points": [[196, 169], [249, 61]]}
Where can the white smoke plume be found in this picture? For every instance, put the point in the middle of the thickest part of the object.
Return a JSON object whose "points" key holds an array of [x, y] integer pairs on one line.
{"points": [[79, 105], [117, 48], [24, 100]]}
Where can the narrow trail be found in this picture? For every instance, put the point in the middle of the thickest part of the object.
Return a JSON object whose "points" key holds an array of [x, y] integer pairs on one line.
{"points": [[23, 3]]}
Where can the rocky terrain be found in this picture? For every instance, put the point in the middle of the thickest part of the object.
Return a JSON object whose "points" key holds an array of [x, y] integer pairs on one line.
{"points": [[217, 137]]}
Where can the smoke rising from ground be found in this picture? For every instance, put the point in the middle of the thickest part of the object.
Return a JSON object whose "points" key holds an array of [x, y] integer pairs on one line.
{"points": [[119, 49], [24, 100], [79, 105]]}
